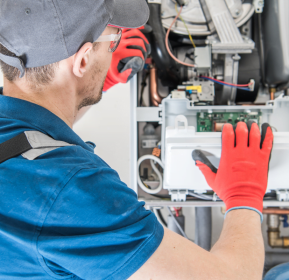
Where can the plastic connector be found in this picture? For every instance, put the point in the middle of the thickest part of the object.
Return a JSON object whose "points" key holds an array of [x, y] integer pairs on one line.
{"points": [[252, 85], [181, 3], [156, 152]]}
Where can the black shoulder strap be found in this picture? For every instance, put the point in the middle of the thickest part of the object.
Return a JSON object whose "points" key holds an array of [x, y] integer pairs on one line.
{"points": [[29, 144], [14, 147]]}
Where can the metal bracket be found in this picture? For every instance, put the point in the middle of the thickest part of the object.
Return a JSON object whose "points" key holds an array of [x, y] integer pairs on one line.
{"points": [[282, 195], [259, 5], [229, 39], [230, 76]]}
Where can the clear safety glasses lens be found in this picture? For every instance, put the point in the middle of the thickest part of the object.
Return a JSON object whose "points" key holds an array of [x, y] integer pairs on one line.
{"points": [[114, 44]]}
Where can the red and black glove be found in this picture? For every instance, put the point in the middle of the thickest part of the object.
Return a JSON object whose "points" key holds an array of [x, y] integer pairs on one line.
{"points": [[128, 59], [241, 179]]}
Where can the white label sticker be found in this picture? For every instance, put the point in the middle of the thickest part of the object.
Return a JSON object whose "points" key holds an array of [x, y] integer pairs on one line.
{"points": [[155, 1]]}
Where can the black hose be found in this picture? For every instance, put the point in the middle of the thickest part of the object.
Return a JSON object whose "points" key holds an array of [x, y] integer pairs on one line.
{"points": [[161, 217], [168, 70]]}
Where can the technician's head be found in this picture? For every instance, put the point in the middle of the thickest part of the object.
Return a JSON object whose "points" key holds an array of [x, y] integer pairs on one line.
{"points": [[44, 44]]}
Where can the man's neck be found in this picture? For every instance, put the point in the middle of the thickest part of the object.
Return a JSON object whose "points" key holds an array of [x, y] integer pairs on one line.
{"points": [[58, 99]]}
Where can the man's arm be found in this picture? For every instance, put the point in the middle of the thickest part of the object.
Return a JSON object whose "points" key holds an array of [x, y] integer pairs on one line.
{"points": [[241, 182], [238, 254]]}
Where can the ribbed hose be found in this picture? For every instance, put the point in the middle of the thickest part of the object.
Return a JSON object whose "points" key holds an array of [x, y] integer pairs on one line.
{"points": [[203, 227]]}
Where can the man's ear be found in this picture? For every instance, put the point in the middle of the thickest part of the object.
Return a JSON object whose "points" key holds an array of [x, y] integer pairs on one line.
{"points": [[81, 59]]}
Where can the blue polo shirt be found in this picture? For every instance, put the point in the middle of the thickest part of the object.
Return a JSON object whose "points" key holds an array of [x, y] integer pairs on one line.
{"points": [[67, 215]]}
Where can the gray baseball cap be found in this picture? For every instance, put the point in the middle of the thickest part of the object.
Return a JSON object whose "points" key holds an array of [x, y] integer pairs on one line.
{"points": [[46, 31]]}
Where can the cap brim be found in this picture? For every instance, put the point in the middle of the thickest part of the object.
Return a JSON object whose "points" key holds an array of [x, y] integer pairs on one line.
{"points": [[130, 14]]}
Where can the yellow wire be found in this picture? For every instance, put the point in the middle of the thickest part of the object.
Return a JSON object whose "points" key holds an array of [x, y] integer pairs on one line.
{"points": [[176, 7]]}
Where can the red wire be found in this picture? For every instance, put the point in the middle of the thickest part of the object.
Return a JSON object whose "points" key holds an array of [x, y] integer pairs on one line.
{"points": [[188, 64], [167, 42], [245, 85], [177, 211]]}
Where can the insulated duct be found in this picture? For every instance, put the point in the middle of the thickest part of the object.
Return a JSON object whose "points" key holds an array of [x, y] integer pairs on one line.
{"points": [[168, 70], [275, 23]]}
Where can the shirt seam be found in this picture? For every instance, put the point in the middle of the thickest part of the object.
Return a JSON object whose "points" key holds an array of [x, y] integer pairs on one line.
{"points": [[40, 230], [61, 27], [135, 253]]}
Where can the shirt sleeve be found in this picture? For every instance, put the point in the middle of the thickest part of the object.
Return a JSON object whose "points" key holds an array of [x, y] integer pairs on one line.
{"points": [[97, 229]]}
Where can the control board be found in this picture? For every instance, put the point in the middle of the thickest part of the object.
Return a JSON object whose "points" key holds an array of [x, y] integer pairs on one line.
{"points": [[213, 122]]}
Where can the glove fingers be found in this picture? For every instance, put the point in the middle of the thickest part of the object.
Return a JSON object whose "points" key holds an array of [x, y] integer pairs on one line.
{"points": [[210, 176], [254, 135], [241, 135], [146, 47], [135, 63], [137, 43], [135, 33], [129, 53], [144, 53], [228, 138], [198, 155], [115, 75], [266, 137]]}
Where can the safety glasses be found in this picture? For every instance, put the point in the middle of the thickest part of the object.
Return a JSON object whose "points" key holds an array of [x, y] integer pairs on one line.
{"points": [[113, 38]]}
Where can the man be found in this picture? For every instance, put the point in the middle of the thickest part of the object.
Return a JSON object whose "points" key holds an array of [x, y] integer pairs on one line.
{"points": [[65, 214]]}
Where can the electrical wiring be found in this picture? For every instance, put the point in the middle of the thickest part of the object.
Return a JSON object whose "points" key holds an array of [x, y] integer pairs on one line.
{"points": [[191, 38], [140, 183], [203, 196], [236, 85], [167, 42], [177, 224], [160, 217], [177, 211], [241, 87]]}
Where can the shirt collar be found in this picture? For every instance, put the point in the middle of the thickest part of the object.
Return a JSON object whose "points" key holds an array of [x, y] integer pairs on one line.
{"points": [[39, 118]]}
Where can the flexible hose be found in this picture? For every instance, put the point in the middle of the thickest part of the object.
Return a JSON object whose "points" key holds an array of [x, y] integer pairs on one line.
{"points": [[140, 183]]}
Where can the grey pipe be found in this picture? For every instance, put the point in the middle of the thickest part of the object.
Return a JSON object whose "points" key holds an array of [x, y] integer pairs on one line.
{"points": [[203, 227], [176, 224]]}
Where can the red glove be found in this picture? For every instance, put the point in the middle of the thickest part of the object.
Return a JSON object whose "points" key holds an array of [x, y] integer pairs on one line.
{"points": [[241, 179], [128, 59]]}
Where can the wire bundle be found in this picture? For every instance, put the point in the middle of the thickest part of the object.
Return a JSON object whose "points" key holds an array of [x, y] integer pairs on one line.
{"points": [[242, 86]]}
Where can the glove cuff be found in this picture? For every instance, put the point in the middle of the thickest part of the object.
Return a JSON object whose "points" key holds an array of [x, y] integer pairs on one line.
{"points": [[245, 207], [255, 202]]}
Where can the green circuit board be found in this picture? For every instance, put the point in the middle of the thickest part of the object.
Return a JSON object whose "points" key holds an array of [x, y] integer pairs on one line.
{"points": [[210, 122]]}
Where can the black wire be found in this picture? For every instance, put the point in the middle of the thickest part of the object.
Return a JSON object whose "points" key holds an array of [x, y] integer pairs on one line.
{"points": [[177, 224], [161, 217], [207, 198]]}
